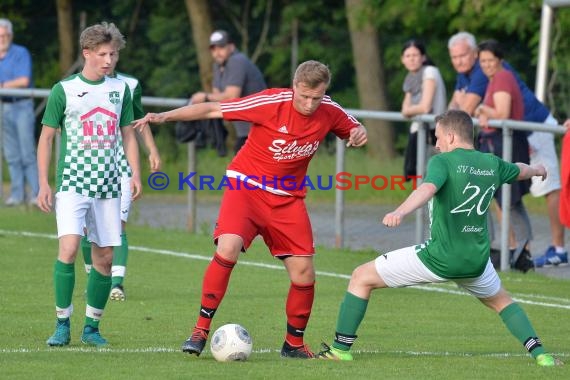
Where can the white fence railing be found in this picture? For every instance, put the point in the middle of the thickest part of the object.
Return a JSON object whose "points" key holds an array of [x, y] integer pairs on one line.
{"points": [[507, 125]]}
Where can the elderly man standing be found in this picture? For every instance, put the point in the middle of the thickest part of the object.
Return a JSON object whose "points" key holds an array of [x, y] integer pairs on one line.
{"points": [[19, 120]]}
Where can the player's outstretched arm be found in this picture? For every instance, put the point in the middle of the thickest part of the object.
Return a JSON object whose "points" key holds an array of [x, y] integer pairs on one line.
{"points": [[210, 110], [415, 200], [529, 171]]}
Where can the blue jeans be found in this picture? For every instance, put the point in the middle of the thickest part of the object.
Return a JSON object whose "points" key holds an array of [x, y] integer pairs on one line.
{"points": [[20, 148]]}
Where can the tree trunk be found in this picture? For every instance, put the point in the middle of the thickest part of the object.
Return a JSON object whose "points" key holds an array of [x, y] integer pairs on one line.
{"points": [[370, 77], [66, 35], [201, 23]]}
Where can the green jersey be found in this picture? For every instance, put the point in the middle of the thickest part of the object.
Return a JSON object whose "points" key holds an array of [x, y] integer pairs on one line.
{"points": [[466, 181], [88, 113]]}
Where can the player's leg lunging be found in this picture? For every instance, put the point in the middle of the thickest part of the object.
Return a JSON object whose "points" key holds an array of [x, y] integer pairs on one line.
{"points": [[517, 322], [352, 310]]}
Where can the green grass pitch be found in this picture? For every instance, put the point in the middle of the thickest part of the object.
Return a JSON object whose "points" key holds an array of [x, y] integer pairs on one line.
{"points": [[431, 332]]}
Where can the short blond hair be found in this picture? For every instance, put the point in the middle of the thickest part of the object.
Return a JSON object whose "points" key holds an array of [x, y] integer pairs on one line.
{"points": [[458, 122], [312, 74], [99, 34]]}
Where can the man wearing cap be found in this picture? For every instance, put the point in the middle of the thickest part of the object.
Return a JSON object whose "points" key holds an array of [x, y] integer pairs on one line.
{"points": [[234, 76]]}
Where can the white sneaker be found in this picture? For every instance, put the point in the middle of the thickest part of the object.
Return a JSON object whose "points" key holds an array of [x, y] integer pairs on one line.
{"points": [[11, 202], [117, 293]]}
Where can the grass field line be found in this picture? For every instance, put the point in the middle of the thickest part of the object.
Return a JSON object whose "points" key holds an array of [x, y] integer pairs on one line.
{"points": [[529, 299], [169, 350]]}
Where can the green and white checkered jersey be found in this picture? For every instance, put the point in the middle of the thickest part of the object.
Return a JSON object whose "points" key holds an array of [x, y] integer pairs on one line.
{"points": [[466, 181], [89, 114], [138, 113]]}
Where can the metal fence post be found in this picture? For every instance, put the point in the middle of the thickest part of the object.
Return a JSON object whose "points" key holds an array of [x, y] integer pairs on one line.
{"points": [[191, 216], [506, 201], [339, 197], [420, 170]]}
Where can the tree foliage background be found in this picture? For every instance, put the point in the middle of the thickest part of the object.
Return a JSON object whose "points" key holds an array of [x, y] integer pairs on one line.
{"points": [[161, 51]]}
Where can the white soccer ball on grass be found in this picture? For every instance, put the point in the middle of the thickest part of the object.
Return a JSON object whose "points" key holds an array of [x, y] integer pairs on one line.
{"points": [[231, 342]]}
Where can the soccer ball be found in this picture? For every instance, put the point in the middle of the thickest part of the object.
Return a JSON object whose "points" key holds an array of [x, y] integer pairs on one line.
{"points": [[231, 342]]}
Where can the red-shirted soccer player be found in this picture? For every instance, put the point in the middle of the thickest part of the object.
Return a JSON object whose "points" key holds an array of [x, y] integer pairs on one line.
{"points": [[264, 195]]}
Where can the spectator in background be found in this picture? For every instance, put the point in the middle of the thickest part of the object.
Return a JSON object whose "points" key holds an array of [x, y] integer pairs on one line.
{"points": [[503, 100], [470, 90], [235, 76], [424, 93], [564, 210], [19, 119]]}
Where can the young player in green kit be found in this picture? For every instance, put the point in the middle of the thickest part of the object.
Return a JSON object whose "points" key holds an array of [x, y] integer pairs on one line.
{"points": [[120, 253], [91, 111], [460, 184]]}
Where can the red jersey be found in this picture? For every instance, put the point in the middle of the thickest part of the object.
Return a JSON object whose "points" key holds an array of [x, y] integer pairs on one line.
{"points": [[282, 141], [505, 81]]}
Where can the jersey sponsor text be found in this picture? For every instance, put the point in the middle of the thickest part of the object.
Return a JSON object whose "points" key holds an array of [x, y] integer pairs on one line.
{"points": [[283, 151]]}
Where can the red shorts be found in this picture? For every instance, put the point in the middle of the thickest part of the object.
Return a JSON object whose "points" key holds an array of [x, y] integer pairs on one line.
{"points": [[282, 221]]}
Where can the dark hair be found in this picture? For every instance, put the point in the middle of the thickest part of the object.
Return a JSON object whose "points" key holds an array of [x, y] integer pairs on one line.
{"points": [[457, 121], [492, 46], [421, 47]]}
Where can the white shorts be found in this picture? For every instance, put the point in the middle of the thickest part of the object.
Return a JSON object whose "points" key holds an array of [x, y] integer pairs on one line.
{"points": [[543, 151], [126, 198], [402, 267], [102, 218]]}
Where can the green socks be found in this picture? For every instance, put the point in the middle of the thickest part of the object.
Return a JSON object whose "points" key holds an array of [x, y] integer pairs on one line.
{"points": [[86, 250], [120, 256], [352, 311], [98, 288], [518, 324], [64, 282]]}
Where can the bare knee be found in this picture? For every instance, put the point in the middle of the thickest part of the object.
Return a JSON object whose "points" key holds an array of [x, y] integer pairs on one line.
{"points": [[499, 301], [364, 279], [102, 259], [68, 246], [358, 275], [301, 269], [229, 247]]}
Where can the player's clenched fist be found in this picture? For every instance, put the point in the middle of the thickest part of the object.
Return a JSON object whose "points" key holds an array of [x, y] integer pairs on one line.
{"points": [[392, 219]]}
